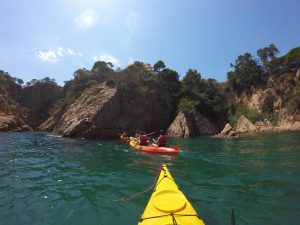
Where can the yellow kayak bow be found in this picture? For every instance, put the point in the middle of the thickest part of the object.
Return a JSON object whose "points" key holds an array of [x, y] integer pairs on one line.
{"points": [[168, 205]]}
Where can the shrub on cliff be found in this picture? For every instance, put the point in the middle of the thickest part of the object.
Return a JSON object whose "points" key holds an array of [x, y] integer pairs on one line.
{"points": [[267, 106], [294, 103], [239, 109], [202, 95]]}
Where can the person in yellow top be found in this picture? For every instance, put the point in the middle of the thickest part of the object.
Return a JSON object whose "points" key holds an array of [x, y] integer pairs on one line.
{"points": [[137, 135]]}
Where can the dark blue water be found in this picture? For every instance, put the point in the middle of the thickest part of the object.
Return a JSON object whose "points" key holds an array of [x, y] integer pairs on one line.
{"points": [[45, 179]]}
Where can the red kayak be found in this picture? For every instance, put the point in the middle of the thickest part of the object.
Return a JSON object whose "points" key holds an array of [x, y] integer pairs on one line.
{"points": [[153, 148]]}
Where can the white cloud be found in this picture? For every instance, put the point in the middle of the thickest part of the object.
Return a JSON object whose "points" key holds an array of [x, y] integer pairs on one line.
{"points": [[48, 56], [132, 21], [60, 51], [71, 52], [54, 56], [108, 58], [86, 19]]}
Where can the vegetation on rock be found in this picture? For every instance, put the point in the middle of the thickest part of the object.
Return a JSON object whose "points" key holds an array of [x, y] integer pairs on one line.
{"points": [[149, 87]]}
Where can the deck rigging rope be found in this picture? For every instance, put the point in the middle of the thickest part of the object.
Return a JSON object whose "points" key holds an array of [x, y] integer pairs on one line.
{"points": [[123, 199]]}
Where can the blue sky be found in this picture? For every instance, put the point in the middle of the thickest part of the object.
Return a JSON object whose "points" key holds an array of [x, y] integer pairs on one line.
{"points": [[54, 38]]}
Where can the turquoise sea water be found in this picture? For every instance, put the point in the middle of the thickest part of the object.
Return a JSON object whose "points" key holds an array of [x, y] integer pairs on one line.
{"points": [[45, 179]]}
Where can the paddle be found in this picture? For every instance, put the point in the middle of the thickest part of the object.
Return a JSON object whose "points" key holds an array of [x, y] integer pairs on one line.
{"points": [[232, 217], [122, 141], [151, 134], [123, 138]]}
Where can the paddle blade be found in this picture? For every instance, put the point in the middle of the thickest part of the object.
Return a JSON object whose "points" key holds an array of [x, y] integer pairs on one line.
{"points": [[151, 134], [121, 141]]}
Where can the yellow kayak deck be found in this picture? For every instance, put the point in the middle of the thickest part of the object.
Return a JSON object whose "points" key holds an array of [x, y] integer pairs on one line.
{"points": [[168, 205]]}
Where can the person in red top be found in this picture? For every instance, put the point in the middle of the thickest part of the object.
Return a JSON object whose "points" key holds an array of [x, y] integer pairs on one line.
{"points": [[162, 140], [143, 139]]}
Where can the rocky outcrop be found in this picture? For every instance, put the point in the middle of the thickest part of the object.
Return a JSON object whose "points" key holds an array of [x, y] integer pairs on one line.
{"points": [[11, 117], [102, 112], [180, 127], [226, 130], [288, 122], [244, 126], [12, 123], [264, 126], [87, 117], [39, 98], [192, 124]]}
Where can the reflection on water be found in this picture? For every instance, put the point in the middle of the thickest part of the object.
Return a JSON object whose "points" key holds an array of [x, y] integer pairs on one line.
{"points": [[45, 179]]}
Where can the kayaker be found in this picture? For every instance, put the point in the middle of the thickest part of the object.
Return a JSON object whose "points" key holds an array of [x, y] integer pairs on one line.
{"points": [[137, 135], [143, 139], [124, 136], [162, 140]]}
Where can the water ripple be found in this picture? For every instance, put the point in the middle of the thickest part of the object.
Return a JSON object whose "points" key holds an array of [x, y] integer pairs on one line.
{"points": [[46, 179]]}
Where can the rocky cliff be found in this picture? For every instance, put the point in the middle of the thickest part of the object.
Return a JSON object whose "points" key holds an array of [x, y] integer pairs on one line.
{"points": [[102, 111], [39, 99], [192, 124], [11, 113], [11, 116]]}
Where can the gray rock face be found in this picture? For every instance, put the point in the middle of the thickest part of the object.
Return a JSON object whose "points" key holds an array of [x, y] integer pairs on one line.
{"points": [[180, 127], [87, 114], [186, 125], [103, 112]]}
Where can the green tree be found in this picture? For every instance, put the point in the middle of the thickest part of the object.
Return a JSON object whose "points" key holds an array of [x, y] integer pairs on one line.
{"points": [[159, 65], [170, 80], [291, 60], [191, 83], [81, 74], [268, 53], [102, 67], [267, 56], [202, 95], [247, 74]]}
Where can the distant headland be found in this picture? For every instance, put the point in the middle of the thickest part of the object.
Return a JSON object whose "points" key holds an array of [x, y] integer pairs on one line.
{"points": [[261, 94]]}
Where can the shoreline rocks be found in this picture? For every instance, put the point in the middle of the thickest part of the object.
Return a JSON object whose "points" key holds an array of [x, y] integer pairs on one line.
{"points": [[245, 127], [13, 123]]}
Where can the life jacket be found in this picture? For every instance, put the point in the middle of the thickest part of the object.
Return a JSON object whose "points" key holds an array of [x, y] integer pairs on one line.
{"points": [[144, 138], [162, 140]]}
